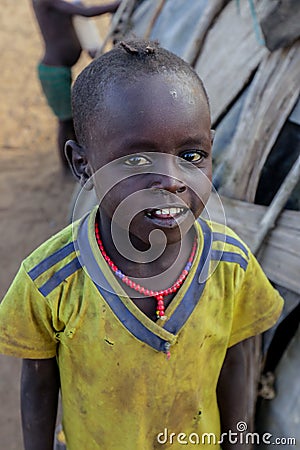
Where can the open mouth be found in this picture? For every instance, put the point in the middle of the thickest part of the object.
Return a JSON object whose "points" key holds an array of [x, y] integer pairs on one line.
{"points": [[169, 216], [166, 213]]}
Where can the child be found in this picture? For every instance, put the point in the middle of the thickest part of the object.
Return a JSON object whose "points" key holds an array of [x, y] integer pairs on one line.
{"points": [[133, 310], [62, 51]]}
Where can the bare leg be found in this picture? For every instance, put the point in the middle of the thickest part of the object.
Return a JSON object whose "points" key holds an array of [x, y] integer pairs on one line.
{"points": [[65, 132]]}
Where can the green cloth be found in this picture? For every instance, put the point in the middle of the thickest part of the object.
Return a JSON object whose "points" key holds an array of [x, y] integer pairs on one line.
{"points": [[56, 84]]}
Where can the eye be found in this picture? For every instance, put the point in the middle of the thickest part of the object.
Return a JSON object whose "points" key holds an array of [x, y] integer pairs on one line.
{"points": [[137, 160], [193, 156]]}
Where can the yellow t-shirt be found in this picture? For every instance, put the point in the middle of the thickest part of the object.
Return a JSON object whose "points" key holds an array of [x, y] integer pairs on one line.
{"points": [[119, 391]]}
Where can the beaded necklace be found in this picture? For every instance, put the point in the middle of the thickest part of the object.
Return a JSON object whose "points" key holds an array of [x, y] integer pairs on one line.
{"points": [[158, 295]]}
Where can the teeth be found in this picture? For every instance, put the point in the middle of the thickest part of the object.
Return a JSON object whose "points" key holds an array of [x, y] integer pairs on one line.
{"points": [[168, 211], [165, 212]]}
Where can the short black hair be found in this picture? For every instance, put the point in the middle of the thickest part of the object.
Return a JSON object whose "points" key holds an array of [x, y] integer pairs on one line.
{"points": [[128, 60]]}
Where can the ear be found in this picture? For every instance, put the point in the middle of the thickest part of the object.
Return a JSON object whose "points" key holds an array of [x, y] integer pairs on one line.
{"points": [[79, 164], [212, 135]]}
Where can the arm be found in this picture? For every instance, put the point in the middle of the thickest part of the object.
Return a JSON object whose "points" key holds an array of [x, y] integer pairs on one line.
{"points": [[232, 394], [77, 8], [39, 399]]}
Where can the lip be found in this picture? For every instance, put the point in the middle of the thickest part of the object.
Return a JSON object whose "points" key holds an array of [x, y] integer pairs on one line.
{"points": [[167, 216]]}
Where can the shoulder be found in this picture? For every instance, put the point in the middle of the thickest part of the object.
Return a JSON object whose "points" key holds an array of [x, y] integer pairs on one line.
{"points": [[54, 260], [59, 244], [226, 245], [220, 229]]}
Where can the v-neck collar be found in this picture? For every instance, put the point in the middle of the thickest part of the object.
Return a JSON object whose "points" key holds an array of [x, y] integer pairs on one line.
{"points": [[158, 334]]}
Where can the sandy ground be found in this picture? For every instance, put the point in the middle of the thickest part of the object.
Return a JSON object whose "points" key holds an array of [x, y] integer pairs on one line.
{"points": [[34, 195]]}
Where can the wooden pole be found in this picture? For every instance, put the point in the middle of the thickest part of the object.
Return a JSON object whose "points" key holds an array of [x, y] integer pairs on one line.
{"points": [[154, 19], [272, 96], [277, 205], [125, 4]]}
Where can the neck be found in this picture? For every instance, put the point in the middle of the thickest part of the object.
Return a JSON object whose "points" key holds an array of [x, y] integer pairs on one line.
{"points": [[140, 260], [159, 292]]}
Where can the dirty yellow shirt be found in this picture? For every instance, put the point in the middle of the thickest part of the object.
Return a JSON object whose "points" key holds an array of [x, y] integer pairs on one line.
{"points": [[119, 391]]}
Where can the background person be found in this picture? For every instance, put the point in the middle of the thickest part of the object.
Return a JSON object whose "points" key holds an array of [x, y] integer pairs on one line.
{"points": [[62, 51]]}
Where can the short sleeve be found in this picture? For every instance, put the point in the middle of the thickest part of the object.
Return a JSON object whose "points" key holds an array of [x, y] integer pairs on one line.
{"points": [[257, 305], [26, 321]]}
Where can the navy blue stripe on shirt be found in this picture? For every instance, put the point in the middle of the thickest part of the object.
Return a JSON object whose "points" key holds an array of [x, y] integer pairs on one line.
{"points": [[230, 240], [181, 313], [51, 260], [218, 255], [195, 289], [60, 276], [133, 325], [126, 317]]}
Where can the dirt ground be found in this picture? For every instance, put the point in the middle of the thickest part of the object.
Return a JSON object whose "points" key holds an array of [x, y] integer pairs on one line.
{"points": [[34, 194]]}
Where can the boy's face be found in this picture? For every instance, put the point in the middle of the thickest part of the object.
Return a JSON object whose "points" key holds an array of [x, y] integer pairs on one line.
{"points": [[153, 148]]}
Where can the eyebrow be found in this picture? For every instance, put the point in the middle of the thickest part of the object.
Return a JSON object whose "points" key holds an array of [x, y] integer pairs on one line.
{"points": [[199, 140], [145, 144], [132, 145]]}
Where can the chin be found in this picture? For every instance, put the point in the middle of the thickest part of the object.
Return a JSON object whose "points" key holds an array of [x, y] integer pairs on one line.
{"points": [[167, 234]]}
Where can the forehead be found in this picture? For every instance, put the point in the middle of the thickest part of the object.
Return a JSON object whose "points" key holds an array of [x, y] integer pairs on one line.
{"points": [[149, 94], [151, 108]]}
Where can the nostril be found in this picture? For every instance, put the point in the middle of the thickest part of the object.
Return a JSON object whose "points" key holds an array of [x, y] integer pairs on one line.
{"points": [[169, 184]]}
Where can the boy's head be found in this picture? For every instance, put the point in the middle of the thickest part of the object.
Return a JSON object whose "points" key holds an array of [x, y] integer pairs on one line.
{"points": [[124, 64], [144, 110]]}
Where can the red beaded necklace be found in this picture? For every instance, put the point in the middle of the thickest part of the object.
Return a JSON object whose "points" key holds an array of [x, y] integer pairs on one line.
{"points": [[158, 295]]}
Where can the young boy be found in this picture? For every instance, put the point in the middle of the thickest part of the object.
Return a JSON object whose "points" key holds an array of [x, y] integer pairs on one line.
{"points": [[134, 310], [62, 51]]}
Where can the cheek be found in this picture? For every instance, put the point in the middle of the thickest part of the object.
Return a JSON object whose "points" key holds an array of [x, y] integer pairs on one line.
{"points": [[207, 184], [200, 181], [200, 188], [124, 201]]}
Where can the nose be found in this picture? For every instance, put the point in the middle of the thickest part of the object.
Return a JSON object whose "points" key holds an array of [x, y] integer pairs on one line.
{"points": [[168, 175], [170, 184]]}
